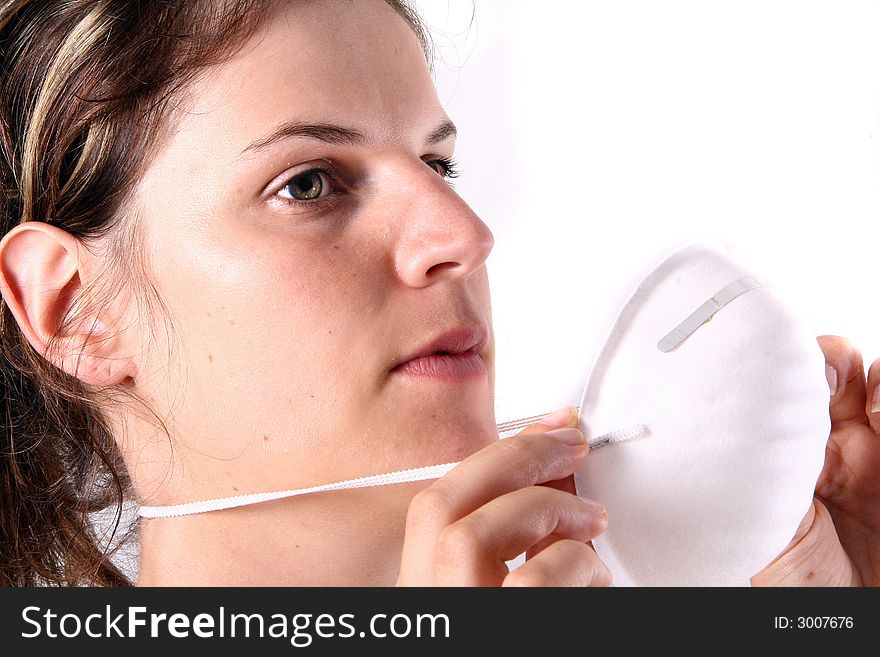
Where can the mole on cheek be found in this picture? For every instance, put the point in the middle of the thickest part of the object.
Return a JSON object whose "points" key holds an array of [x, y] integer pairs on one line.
{"points": [[210, 358]]}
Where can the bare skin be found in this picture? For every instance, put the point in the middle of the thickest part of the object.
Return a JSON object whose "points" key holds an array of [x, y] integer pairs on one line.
{"points": [[838, 542], [290, 316]]}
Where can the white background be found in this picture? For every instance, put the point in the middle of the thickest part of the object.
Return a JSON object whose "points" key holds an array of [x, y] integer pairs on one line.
{"points": [[597, 136]]}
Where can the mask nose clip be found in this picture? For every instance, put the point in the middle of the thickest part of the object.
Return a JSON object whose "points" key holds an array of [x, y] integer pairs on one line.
{"points": [[672, 340]]}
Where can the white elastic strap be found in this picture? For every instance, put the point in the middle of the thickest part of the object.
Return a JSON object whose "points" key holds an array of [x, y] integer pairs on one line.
{"points": [[620, 436], [220, 503], [398, 477]]}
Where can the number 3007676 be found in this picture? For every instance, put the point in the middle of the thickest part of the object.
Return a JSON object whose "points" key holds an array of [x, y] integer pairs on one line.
{"points": [[813, 622]]}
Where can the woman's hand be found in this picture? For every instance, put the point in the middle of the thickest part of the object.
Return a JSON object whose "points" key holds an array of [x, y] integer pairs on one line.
{"points": [[491, 507], [838, 542]]}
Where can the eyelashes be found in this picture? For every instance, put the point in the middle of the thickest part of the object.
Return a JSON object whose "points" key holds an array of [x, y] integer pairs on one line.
{"points": [[450, 167], [306, 189]]}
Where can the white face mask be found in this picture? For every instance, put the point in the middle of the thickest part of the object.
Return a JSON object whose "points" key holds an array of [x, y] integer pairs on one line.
{"points": [[713, 440], [730, 386]]}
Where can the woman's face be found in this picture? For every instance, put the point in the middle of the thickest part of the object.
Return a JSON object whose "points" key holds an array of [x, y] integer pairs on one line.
{"points": [[293, 295]]}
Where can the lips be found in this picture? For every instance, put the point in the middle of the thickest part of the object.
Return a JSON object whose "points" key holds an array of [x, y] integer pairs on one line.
{"points": [[452, 356]]}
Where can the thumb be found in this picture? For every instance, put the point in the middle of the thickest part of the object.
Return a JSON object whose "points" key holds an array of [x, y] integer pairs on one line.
{"points": [[847, 378], [873, 396]]}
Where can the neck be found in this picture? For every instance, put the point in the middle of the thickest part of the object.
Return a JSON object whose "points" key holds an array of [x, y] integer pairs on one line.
{"points": [[339, 538]]}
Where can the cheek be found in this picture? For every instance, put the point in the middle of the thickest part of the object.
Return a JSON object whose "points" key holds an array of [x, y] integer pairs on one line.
{"points": [[292, 323]]}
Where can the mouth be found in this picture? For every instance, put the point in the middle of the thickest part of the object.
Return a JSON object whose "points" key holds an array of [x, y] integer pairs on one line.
{"points": [[453, 356]]}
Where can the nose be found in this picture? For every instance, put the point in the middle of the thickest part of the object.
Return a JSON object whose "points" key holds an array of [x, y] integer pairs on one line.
{"points": [[442, 238]]}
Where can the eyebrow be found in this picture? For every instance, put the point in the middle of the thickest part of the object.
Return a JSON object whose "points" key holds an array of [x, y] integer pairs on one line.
{"points": [[335, 134], [444, 130]]}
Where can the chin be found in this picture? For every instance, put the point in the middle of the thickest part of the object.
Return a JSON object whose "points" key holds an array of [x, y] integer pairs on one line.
{"points": [[463, 434]]}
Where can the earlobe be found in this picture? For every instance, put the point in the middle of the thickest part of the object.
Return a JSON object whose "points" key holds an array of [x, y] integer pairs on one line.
{"points": [[41, 277]]}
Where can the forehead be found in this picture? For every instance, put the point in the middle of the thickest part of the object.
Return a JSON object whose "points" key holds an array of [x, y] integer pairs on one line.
{"points": [[354, 63]]}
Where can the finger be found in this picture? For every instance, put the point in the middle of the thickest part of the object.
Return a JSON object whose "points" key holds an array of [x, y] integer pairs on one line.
{"points": [[849, 399], [518, 462], [873, 396], [513, 463], [564, 417], [565, 563], [473, 551], [566, 484]]}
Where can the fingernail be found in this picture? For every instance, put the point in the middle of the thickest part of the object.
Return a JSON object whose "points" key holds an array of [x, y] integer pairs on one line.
{"points": [[875, 401], [598, 509], [568, 436], [558, 419], [831, 376]]}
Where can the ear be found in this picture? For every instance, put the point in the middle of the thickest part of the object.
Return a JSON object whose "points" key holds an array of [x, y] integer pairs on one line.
{"points": [[41, 277]]}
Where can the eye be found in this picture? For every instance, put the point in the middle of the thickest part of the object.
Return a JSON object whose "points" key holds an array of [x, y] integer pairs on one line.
{"points": [[445, 166], [307, 186]]}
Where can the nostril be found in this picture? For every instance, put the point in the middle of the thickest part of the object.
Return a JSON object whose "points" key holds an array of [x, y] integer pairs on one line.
{"points": [[434, 269]]}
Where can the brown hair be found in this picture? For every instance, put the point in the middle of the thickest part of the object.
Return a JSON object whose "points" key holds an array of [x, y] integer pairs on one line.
{"points": [[85, 89]]}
